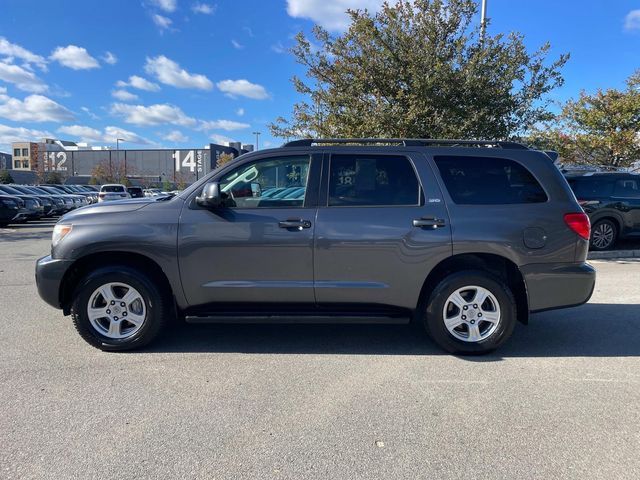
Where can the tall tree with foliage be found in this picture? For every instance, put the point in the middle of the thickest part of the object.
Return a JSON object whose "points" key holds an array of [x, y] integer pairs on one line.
{"points": [[599, 129], [5, 177], [419, 68]]}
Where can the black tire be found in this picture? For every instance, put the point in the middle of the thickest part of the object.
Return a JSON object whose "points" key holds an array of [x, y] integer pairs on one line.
{"points": [[606, 227], [433, 317], [158, 308]]}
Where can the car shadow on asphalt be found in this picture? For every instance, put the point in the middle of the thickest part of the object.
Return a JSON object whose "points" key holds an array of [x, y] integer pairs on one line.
{"points": [[598, 330]]}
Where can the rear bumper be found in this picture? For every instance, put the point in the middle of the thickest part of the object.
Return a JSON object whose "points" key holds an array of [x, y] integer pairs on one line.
{"points": [[551, 286], [49, 275]]}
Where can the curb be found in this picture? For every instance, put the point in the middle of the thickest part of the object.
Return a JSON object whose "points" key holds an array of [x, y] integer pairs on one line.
{"points": [[611, 254]]}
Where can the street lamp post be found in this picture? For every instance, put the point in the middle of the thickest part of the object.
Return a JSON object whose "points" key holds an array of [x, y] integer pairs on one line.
{"points": [[118, 140], [483, 18], [257, 134]]}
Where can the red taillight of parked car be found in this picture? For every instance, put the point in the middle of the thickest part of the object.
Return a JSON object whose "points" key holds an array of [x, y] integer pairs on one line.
{"points": [[579, 223], [101, 194]]}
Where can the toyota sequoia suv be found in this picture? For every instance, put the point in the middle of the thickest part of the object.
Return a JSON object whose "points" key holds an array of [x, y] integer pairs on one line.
{"points": [[463, 237]]}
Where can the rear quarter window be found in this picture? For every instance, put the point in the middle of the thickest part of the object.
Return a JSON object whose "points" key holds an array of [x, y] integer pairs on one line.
{"points": [[591, 187], [488, 181]]}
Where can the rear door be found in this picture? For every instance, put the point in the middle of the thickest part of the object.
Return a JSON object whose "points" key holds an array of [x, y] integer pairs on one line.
{"points": [[381, 227], [626, 195]]}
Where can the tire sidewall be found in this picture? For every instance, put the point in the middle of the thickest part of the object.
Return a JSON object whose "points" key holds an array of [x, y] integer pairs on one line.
{"points": [[434, 322], [615, 235], [148, 291]]}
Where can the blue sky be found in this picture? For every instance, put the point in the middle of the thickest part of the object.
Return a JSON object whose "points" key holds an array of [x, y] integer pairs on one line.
{"points": [[165, 73]]}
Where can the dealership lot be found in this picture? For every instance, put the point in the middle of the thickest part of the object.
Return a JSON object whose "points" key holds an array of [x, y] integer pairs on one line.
{"points": [[560, 400]]}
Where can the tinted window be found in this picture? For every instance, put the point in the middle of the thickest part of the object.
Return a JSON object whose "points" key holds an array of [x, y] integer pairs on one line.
{"points": [[113, 188], [368, 180], [268, 183], [488, 181], [627, 187], [590, 187]]}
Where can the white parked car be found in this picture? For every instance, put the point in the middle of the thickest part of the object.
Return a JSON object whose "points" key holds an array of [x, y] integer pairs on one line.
{"points": [[112, 191]]}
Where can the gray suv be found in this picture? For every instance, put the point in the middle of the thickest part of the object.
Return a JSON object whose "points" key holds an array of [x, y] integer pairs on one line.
{"points": [[463, 237]]}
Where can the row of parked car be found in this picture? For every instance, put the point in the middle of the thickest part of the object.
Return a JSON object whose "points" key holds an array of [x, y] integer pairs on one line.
{"points": [[20, 203]]}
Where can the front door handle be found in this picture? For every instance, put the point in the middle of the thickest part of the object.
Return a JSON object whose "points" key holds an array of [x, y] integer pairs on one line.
{"points": [[429, 222], [294, 224]]}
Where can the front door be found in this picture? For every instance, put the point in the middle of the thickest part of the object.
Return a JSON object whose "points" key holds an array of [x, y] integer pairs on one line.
{"points": [[259, 246], [382, 226]]}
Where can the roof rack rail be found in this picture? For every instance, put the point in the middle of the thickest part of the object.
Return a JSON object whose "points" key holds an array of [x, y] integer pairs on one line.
{"points": [[405, 142]]}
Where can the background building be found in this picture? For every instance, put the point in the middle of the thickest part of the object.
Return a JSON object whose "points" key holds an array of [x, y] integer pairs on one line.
{"points": [[79, 162], [5, 161]]}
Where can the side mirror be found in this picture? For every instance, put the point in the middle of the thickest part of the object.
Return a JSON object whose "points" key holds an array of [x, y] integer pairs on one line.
{"points": [[210, 196]]}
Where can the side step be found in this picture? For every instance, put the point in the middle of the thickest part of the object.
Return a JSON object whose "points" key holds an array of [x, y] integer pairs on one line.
{"points": [[299, 319]]}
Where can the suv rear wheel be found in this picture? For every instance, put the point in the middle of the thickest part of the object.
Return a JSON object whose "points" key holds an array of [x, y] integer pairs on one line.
{"points": [[470, 312], [118, 308], [603, 235]]}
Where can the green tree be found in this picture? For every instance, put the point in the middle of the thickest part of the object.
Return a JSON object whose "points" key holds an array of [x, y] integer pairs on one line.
{"points": [[53, 177], [5, 177], [419, 68], [599, 129]]}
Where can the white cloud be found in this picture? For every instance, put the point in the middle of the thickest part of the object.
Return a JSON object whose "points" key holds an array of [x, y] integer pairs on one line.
{"points": [[169, 72], [124, 95], [220, 139], [157, 114], [34, 108], [227, 125], [110, 58], [164, 23], [16, 51], [331, 14], [139, 83], [278, 47], [16, 134], [243, 88], [21, 78], [112, 133], [176, 136], [109, 135], [74, 57], [237, 45], [240, 112], [166, 5], [89, 112], [632, 20], [203, 8]]}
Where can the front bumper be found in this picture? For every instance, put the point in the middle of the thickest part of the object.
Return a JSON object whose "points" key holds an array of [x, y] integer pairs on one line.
{"points": [[561, 285], [49, 275]]}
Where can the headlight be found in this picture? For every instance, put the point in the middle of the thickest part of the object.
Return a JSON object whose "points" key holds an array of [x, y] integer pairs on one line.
{"points": [[59, 232]]}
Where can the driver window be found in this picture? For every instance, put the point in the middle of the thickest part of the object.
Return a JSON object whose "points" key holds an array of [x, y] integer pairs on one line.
{"points": [[279, 182]]}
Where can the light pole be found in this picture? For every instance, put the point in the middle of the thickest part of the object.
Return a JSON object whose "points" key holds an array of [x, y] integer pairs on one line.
{"points": [[118, 140], [483, 19], [257, 134]]}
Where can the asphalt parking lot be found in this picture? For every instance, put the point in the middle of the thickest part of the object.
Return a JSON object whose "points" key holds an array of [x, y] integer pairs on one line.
{"points": [[295, 402]]}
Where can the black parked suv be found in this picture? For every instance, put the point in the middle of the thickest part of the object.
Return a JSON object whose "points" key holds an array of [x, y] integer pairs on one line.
{"points": [[612, 201], [464, 238]]}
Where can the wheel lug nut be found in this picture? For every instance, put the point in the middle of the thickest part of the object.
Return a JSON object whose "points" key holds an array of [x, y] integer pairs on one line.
{"points": [[108, 312], [472, 322], [475, 306], [113, 302], [479, 315], [115, 318], [464, 317], [465, 307], [124, 314], [122, 304]]}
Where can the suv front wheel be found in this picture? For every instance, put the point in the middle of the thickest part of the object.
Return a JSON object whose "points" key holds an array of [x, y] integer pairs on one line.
{"points": [[470, 312], [118, 308]]}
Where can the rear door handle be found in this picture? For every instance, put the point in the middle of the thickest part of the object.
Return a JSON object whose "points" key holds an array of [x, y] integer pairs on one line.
{"points": [[294, 224], [429, 222]]}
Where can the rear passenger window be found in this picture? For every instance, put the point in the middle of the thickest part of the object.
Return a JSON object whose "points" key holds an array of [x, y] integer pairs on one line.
{"points": [[372, 180], [591, 187], [488, 181], [627, 188]]}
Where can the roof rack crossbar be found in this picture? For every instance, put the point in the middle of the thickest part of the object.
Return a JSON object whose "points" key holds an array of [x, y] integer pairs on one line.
{"points": [[405, 142]]}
